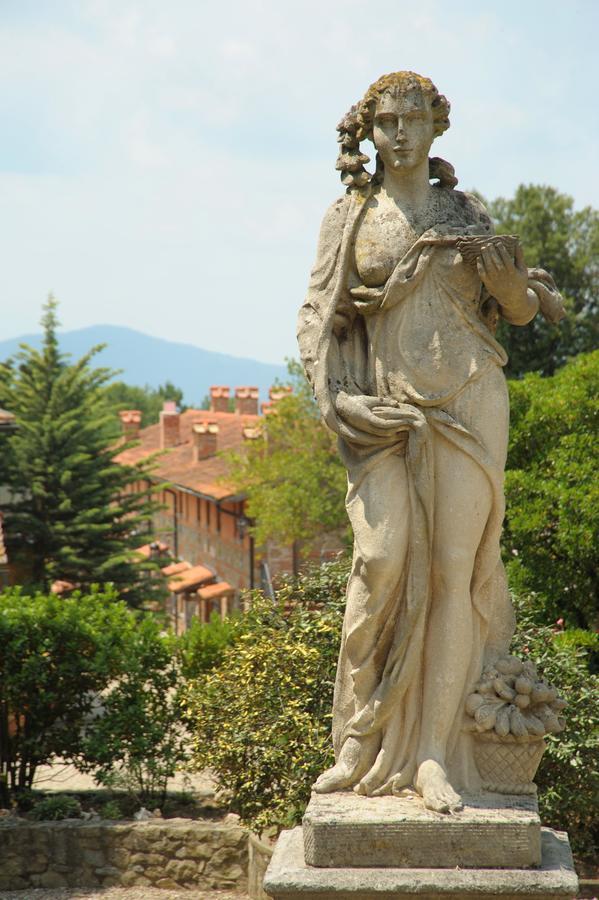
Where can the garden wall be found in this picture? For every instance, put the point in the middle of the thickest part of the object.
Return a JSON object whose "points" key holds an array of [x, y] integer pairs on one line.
{"points": [[175, 853]]}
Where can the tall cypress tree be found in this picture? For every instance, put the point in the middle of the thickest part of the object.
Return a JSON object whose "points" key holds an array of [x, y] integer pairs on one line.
{"points": [[70, 515]]}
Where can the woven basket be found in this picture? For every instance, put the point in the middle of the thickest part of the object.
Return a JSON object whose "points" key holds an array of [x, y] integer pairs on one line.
{"points": [[507, 764]]}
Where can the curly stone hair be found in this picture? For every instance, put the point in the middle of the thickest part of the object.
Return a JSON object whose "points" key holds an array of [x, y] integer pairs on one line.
{"points": [[357, 126]]}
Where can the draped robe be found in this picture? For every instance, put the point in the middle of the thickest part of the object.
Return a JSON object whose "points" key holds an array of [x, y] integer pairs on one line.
{"points": [[423, 339]]}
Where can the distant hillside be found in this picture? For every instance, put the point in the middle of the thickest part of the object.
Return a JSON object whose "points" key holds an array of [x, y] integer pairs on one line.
{"points": [[150, 360]]}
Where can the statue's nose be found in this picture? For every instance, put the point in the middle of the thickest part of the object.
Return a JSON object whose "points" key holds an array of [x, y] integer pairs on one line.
{"points": [[401, 134]]}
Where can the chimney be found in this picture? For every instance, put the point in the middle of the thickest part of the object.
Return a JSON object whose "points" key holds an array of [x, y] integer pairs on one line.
{"points": [[277, 392], [130, 422], [169, 425], [205, 440], [267, 407], [219, 398], [251, 432], [246, 401]]}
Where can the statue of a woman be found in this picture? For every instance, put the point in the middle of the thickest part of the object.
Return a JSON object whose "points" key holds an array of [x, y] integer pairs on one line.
{"points": [[397, 338]]}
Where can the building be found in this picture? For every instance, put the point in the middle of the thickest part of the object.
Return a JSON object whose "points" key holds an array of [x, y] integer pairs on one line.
{"points": [[204, 520]]}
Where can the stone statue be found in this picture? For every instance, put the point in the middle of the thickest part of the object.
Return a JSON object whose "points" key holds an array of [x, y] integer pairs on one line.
{"points": [[397, 339]]}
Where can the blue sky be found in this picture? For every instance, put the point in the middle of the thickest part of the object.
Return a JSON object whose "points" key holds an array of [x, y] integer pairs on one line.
{"points": [[165, 166]]}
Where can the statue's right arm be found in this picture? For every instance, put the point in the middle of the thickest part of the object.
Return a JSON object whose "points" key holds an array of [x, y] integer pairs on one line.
{"points": [[322, 283]]}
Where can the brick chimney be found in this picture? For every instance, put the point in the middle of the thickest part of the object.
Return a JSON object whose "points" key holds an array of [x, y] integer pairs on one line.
{"points": [[130, 422], [169, 425], [277, 393], [251, 432], [246, 401], [205, 440], [219, 398]]}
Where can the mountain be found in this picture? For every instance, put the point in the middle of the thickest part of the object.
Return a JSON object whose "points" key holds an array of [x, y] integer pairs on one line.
{"points": [[151, 360]]}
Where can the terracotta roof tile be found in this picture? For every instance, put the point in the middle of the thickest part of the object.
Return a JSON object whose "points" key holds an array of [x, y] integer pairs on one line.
{"points": [[146, 549], [189, 579], [177, 464], [176, 568], [213, 591]]}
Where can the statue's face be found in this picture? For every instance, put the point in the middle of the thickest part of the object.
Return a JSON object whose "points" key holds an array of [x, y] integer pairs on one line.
{"points": [[403, 129]]}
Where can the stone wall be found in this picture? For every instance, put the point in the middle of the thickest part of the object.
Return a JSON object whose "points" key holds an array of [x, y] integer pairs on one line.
{"points": [[174, 853]]}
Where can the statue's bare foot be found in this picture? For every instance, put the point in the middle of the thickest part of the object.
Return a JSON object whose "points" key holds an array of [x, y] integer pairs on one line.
{"points": [[435, 789], [348, 769]]}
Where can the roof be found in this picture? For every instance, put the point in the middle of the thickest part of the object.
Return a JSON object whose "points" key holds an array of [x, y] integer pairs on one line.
{"points": [[159, 547], [190, 579], [213, 591], [176, 568], [8, 421], [177, 464]]}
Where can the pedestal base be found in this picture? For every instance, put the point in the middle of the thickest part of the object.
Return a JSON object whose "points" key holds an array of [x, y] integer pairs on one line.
{"points": [[289, 877], [492, 831]]}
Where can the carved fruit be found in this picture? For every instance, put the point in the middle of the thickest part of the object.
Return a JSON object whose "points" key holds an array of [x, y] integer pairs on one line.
{"points": [[485, 716], [517, 726], [523, 685], [522, 701], [503, 690], [511, 665], [473, 702], [534, 725], [502, 721], [541, 693], [548, 718], [559, 703]]}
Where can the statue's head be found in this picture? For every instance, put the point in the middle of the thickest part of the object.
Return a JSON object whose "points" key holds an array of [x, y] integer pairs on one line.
{"points": [[402, 113]]}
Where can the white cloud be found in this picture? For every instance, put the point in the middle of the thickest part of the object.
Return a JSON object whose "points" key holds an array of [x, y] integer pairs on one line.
{"points": [[166, 164]]}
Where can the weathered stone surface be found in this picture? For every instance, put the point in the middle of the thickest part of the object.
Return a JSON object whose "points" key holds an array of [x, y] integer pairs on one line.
{"points": [[76, 854], [289, 878], [397, 340], [493, 830]]}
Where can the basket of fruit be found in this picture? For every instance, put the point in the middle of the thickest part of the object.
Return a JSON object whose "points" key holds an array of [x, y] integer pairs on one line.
{"points": [[512, 710]]}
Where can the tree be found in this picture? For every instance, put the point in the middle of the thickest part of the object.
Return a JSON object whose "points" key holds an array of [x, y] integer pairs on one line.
{"points": [[71, 516], [147, 400], [551, 529], [565, 242], [57, 654], [291, 473]]}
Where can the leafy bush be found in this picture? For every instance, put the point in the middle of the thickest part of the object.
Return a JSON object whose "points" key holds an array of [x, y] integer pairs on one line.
{"points": [[568, 777], [262, 719], [201, 647], [111, 810], [56, 655], [137, 742], [552, 491], [55, 807]]}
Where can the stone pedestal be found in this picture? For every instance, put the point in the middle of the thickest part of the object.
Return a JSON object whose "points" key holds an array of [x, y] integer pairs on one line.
{"points": [[390, 847]]}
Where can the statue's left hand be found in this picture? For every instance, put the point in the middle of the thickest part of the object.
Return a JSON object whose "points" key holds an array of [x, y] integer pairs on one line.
{"points": [[505, 279]]}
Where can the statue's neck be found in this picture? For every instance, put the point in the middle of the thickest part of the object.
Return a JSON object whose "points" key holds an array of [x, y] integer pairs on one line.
{"points": [[409, 189]]}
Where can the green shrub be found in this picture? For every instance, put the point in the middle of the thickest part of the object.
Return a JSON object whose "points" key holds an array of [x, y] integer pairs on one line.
{"points": [[202, 646], [552, 491], [111, 810], [55, 807], [137, 742], [262, 719], [56, 655], [568, 777]]}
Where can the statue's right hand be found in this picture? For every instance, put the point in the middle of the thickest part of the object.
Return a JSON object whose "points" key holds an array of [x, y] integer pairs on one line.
{"points": [[380, 416]]}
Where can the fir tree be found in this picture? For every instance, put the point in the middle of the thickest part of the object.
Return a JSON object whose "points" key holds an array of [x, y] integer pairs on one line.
{"points": [[70, 516]]}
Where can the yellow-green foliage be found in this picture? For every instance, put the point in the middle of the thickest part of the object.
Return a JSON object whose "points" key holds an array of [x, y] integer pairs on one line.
{"points": [[262, 720]]}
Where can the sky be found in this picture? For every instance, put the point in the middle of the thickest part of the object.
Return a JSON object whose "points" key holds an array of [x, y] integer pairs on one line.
{"points": [[166, 165]]}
